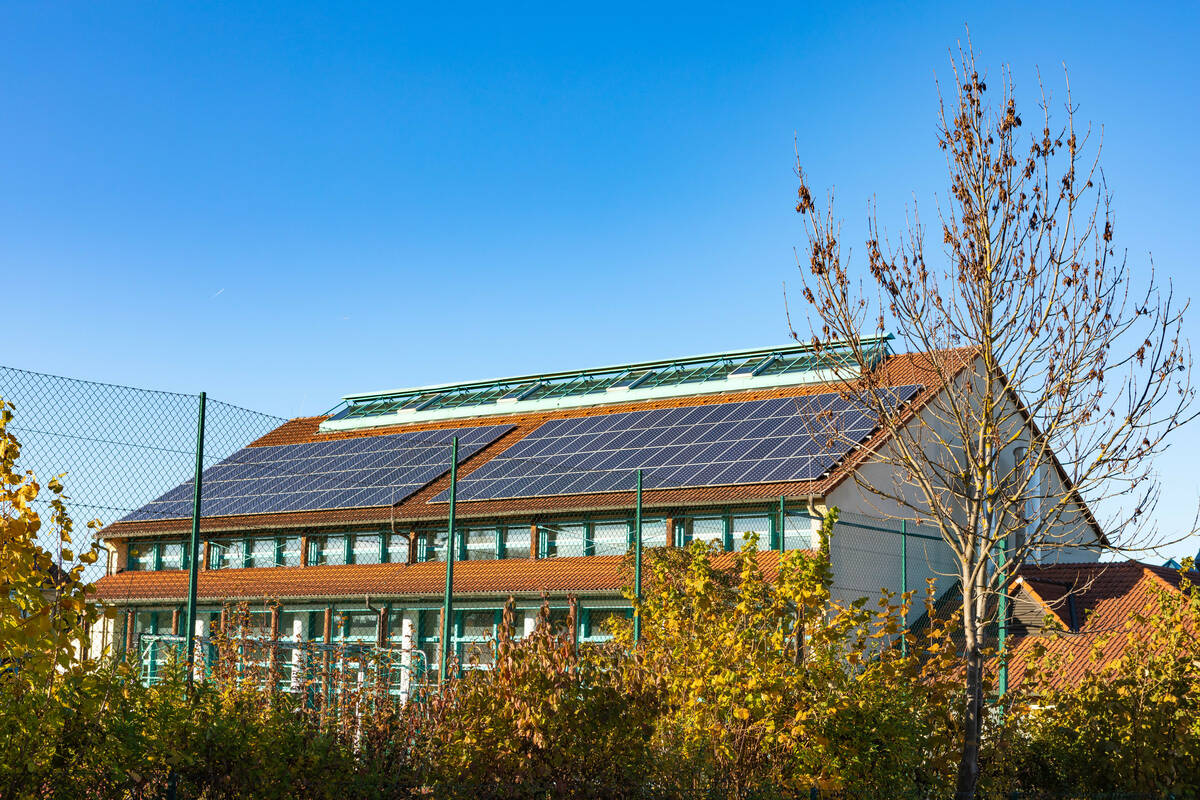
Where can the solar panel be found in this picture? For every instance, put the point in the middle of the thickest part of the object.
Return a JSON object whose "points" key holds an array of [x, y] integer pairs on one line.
{"points": [[781, 439], [342, 473]]}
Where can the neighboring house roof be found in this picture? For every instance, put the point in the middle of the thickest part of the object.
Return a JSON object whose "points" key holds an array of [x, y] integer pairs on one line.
{"points": [[1089, 602], [896, 370], [518, 576]]}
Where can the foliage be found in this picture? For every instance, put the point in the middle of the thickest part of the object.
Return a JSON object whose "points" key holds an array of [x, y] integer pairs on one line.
{"points": [[47, 677], [547, 720], [1129, 725], [770, 687]]}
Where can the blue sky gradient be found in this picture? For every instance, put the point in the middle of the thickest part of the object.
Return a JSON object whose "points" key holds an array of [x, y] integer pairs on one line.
{"points": [[281, 204]]}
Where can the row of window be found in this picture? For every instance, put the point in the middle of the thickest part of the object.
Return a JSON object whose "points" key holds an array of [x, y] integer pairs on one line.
{"points": [[473, 628], [477, 543]]}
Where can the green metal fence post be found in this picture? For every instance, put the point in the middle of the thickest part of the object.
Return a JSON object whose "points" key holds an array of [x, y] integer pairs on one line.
{"points": [[189, 627], [447, 599], [782, 522], [637, 562], [904, 582]]}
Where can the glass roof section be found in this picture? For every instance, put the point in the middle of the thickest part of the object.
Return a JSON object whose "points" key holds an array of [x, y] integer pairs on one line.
{"points": [[787, 360]]}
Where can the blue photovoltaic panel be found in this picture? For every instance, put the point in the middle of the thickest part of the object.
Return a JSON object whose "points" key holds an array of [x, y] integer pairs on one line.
{"points": [[338, 473], [763, 441]]}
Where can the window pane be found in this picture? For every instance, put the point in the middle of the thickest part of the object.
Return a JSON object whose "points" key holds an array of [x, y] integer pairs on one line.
{"points": [[477, 624], [326, 550], [358, 626], [366, 548], [141, 556], [395, 631], [476, 654], [559, 621], [800, 532], [290, 552], [262, 552], [756, 524], [610, 538], [228, 554], [397, 548], [145, 622], [433, 546], [479, 543], [705, 529], [516, 541], [654, 533], [598, 620], [427, 639], [291, 624], [172, 555], [562, 540]]}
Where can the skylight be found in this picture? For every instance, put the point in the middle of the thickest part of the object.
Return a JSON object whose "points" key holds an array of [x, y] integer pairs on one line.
{"points": [[794, 363]]}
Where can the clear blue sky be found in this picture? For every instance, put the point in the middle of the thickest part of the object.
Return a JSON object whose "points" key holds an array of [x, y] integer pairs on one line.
{"points": [[280, 204]]}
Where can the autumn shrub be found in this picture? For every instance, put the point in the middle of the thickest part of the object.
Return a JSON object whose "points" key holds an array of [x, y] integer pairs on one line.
{"points": [[768, 688], [549, 719]]}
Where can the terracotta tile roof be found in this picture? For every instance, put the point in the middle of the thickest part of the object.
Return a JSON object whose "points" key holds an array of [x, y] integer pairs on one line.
{"points": [[899, 370], [521, 576], [1105, 597]]}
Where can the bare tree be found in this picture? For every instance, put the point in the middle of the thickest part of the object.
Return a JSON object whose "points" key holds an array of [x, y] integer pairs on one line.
{"points": [[1058, 372]]}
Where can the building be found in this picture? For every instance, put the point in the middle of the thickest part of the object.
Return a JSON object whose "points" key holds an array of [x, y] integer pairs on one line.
{"points": [[334, 527]]}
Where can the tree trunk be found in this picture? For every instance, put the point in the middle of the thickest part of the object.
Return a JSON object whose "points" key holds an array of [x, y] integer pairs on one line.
{"points": [[968, 765]]}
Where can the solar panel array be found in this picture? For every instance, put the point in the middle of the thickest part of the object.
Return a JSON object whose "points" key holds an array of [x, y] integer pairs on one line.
{"points": [[340, 473], [764, 441]]}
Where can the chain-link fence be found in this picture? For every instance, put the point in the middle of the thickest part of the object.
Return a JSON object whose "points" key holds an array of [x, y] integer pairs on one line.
{"points": [[117, 447]]}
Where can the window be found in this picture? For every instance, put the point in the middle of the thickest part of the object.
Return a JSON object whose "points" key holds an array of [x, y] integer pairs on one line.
{"points": [[428, 636], [227, 554], [291, 624], [366, 548], [395, 628], [800, 531], [702, 529], [326, 550], [478, 544], [173, 555], [431, 546], [397, 548], [654, 533], [515, 541], [261, 552], [760, 524], [141, 556], [357, 626], [596, 623], [559, 621], [562, 539], [289, 551], [145, 622], [610, 538], [476, 630]]}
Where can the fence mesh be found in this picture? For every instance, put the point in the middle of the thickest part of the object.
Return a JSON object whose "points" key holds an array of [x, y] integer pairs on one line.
{"points": [[117, 447]]}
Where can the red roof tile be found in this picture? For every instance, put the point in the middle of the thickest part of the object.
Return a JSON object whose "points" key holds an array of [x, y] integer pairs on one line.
{"points": [[582, 575], [1105, 596]]}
